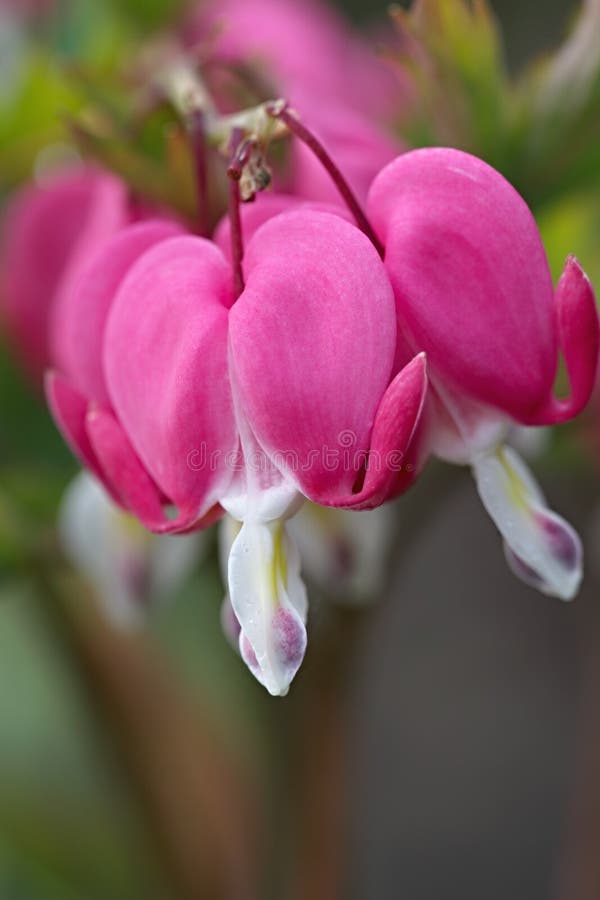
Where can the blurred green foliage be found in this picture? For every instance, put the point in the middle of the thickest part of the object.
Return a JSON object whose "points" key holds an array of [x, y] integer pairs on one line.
{"points": [[66, 827], [540, 128]]}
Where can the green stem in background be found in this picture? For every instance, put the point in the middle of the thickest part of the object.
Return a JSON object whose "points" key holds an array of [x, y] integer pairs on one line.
{"points": [[180, 82], [197, 804], [206, 823], [317, 707], [197, 134]]}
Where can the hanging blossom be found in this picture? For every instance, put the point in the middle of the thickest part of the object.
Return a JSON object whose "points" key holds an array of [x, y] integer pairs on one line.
{"points": [[465, 422], [488, 317], [306, 52], [132, 570], [48, 231], [51, 233], [473, 289], [195, 379], [204, 402], [300, 45], [343, 554]]}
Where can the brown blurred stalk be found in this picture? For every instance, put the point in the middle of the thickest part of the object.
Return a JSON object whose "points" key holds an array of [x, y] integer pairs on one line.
{"points": [[579, 872], [318, 704], [319, 761], [198, 806]]}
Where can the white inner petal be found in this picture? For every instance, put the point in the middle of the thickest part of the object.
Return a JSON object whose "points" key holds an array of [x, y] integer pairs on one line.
{"points": [[269, 601], [345, 551], [130, 568], [106, 546], [462, 428], [542, 548], [228, 530], [266, 592]]}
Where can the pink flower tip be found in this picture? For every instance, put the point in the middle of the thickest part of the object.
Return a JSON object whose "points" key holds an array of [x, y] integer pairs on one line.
{"points": [[578, 334]]}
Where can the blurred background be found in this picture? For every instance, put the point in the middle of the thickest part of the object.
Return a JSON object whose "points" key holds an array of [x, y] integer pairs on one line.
{"points": [[466, 737], [529, 27]]}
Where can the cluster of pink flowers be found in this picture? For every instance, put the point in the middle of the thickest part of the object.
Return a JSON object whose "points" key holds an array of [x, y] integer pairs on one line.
{"points": [[431, 335]]}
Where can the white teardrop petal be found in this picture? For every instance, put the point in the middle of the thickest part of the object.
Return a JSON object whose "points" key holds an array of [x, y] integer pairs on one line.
{"points": [[269, 601], [542, 548]]}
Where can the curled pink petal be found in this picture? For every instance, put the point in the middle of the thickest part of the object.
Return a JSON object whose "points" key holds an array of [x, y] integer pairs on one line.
{"points": [[69, 409], [123, 469], [578, 338], [390, 466]]}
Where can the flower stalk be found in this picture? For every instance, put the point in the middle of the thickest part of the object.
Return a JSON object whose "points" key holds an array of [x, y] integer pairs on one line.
{"points": [[238, 159], [259, 125], [279, 109], [136, 700]]}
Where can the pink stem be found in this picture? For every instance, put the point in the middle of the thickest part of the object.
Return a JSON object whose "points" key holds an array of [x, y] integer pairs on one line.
{"points": [[240, 158], [237, 240], [307, 137]]}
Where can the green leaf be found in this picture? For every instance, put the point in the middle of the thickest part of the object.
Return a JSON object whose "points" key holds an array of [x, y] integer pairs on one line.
{"points": [[28, 435], [68, 828], [30, 117], [541, 130], [149, 15], [572, 225], [452, 52], [150, 172]]}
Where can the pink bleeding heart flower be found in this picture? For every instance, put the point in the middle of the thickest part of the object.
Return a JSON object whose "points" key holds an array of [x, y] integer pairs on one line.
{"points": [[48, 231], [346, 94], [473, 289], [285, 394], [339, 67]]}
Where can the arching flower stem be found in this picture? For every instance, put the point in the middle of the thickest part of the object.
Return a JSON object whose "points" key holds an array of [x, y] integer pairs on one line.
{"points": [[280, 110], [237, 241]]}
